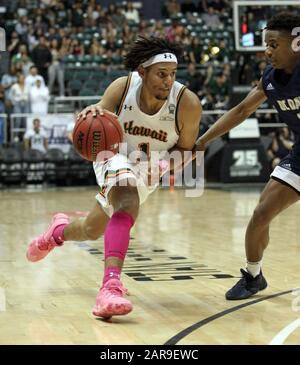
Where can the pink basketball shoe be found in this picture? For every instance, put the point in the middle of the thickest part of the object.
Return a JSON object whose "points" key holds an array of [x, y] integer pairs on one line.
{"points": [[110, 301], [43, 244]]}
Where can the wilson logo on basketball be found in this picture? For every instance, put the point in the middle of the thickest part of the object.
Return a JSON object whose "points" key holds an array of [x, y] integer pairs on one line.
{"points": [[96, 143]]}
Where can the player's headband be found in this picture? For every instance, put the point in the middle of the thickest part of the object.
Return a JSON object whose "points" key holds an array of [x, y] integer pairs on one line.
{"points": [[162, 57]]}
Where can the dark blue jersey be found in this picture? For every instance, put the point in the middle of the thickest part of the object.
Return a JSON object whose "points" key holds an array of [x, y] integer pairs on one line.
{"points": [[283, 91]]}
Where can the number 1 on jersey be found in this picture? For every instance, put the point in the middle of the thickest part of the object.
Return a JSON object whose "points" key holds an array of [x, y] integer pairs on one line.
{"points": [[145, 148]]}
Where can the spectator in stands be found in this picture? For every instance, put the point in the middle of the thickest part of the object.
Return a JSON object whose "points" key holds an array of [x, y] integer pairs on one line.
{"points": [[77, 18], [21, 8], [218, 88], [201, 7], [22, 27], [36, 138], [188, 6], [217, 5], [33, 76], [22, 59], [223, 54], [66, 45], [91, 18], [194, 80], [208, 102], [40, 24], [2, 111], [100, 14], [56, 69], [61, 14], [14, 44], [39, 98], [12, 6], [174, 31], [31, 38], [130, 13], [109, 31], [170, 9], [159, 30], [209, 75], [281, 145], [226, 70], [118, 18], [53, 34], [76, 48], [143, 28], [7, 82], [195, 51], [42, 58], [20, 100], [96, 48], [127, 35], [211, 18], [186, 37]]}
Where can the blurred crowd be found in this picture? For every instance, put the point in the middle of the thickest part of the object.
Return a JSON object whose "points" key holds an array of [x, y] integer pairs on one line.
{"points": [[40, 36], [43, 34]]}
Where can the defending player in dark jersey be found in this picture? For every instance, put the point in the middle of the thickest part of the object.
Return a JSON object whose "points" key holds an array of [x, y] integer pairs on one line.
{"points": [[280, 84]]}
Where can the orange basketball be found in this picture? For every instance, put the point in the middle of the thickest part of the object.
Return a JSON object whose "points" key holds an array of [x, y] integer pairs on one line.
{"points": [[93, 135]]}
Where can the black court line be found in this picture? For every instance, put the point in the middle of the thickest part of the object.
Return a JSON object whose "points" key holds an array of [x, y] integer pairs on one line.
{"points": [[187, 331]]}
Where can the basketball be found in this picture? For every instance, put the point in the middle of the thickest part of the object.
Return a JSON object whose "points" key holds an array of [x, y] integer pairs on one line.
{"points": [[92, 135]]}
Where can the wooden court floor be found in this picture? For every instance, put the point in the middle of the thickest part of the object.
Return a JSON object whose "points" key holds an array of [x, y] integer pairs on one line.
{"points": [[184, 254]]}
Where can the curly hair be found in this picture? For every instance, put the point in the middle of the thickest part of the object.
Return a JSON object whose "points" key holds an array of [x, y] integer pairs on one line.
{"points": [[284, 21], [144, 48]]}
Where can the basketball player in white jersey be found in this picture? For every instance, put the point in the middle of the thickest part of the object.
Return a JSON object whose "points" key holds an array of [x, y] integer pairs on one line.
{"points": [[157, 114]]}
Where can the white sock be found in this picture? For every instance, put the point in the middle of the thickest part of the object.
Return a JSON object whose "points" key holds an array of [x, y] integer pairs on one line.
{"points": [[254, 268]]}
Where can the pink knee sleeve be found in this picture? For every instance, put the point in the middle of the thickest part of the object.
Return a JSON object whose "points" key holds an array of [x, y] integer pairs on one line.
{"points": [[116, 235]]}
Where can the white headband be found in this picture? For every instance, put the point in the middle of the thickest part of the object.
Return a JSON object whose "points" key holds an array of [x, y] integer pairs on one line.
{"points": [[163, 57]]}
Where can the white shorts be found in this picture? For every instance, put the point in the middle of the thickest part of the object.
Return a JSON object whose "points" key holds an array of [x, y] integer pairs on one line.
{"points": [[112, 171], [287, 176]]}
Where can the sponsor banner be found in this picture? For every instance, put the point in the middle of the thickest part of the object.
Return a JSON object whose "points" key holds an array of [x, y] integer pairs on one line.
{"points": [[56, 127]]}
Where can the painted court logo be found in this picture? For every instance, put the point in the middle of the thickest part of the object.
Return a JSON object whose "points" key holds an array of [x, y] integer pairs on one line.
{"points": [[2, 40]]}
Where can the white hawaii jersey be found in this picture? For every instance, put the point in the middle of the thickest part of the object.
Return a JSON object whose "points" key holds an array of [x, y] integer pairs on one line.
{"points": [[158, 132]]}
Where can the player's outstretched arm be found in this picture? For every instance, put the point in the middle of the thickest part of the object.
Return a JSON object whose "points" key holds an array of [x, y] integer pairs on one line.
{"points": [[110, 100], [234, 116]]}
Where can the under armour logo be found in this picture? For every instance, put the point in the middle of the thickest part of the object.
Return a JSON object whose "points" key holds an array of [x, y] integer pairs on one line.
{"points": [[167, 55], [127, 107]]}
